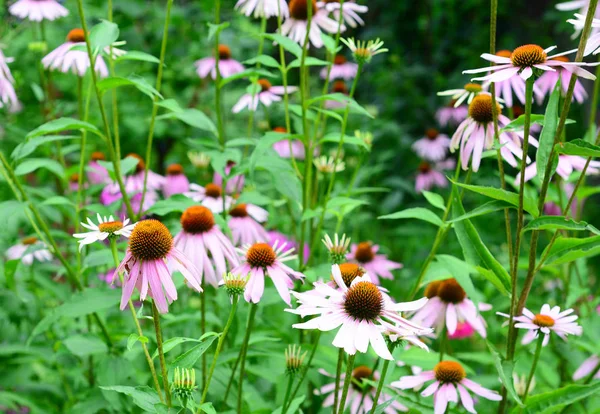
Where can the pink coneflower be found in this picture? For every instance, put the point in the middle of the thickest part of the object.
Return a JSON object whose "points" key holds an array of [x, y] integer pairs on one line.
{"points": [[28, 250], [107, 227], [548, 320], [280, 238], [339, 86], [341, 69], [433, 146], [587, 367], [515, 85], [449, 377], [176, 182], [546, 83], [476, 134], [8, 95], [429, 176], [377, 265], [593, 43], [267, 95], [448, 305], [205, 245], [524, 59], [227, 66], [283, 147], [361, 312], [135, 182], [148, 263], [210, 196], [360, 395], [566, 165], [245, 225], [235, 183], [96, 173], [263, 260], [451, 115], [64, 59], [107, 278], [263, 8], [463, 330], [349, 11], [38, 10], [295, 25], [553, 209]]}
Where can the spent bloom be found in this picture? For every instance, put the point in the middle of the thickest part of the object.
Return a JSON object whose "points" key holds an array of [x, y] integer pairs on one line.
{"points": [[106, 228], [450, 381], [377, 265], [38, 10], [433, 146], [266, 94], [64, 58], [263, 8], [467, 93], [363, 51], [548, 320], [341, 69], [349, 11], [261, 260], [176, 182], [337, 248], [204, 244], [296, 25], [28, 250], [148, 265], [227, 65], [245, 224], [361, 312]]}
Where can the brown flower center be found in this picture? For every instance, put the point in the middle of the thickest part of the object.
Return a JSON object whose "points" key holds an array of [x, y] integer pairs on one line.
{"points": [[518, 110], [339, 60], [364, 253], [359, 374], [197, 219], [543, 321], [74, 178], [98, 156], [212, 190], [363, 301], [473, 87], [480, 109], [424, 167], [339, 86], [150, 240], [432, 289], [260, 255], [28, 241], [561, 58], [174, 169], [432, 133], [450, 291], [224, 52], [76, 36], [350, 271], [264, 84], [299, 9], [504, 53], [239, 211], [110, 226], [141, 165], [528, 55], [281, 130], [449, 371]]}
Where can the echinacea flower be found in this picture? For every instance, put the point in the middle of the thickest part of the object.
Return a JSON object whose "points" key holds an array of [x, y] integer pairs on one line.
{"points": [[106, 228], [451, 115], [38, 10], [264, 260], [266, 95], [450, 382], [64, 58], [227, 65], [431, 175], [524, 59], [360, 395], [587, 367], [205, 245], [296, 25], [463, 330], [96, 173], [199, 159], [467, 93], [235, 183], [349, 11], [28, 250], [8, 95], [245, 224], [337, 248], [377, 265], [433, 146], [134, 183], [363, 51], [341, 69], [263, 8], [548, 320], [176, 182], [235, 285], [546, 83], [551, 208], [593, 44], [148, 263], [515, 85], [327, 165], [289, 148], [566, 165], [280, 238], [476, 134], [361, 312], [582, 7], [211, 196], [448, 305]]}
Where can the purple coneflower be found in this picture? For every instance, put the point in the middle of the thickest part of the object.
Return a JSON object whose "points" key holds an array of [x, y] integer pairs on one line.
{"points": [[235, 183], [263, 8], [466, 94], [433, 146], [227, 65], [176, 182], [96, 173], [267, 95], [28, 250], [546, 83], [431, 175], [8, 96], [341, 69], [514, 85], [566, 165], [295, 26], [450, 115], [211, 196], [245, 225], [64, 59], [38, 10], [377, 265]]}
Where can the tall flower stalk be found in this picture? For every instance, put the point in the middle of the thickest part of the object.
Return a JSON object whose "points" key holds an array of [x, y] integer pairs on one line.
{"points": [[244, 353], [161, 353], [347, 381]]}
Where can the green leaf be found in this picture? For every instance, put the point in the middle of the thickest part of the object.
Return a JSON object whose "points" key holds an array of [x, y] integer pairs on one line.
{"points": [[139, 56], [209, 409], [79, 304], [133, 338], [329, 43], [559, 223], [293, 407], [285, 42], [548, 131], [435, 200], [308, 61], [63, 124], [188, 359], [32, 164], [173, 342], [348, 140], [264, 145], [189, 116], [578, 147], [85, 345], [58, 201], [214, 29], [103, 34], [248, 73], [25, 148], [265, 60], [493, 279], [128, 164], [420, 213], [143, 396], [552, 401], [135, 81], [505, 370], [486, 208], [340, 97], [519, 123], [567, 249], [177, 203], [529, 204]]}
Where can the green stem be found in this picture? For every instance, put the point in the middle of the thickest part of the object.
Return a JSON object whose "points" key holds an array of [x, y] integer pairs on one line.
{"points": [[263, 29], [338, 374], [307, 366], [287, 394], [161, 354], [443, 339], [220, 127], [536, 357], [213, 365], [115, 103], [159, 76], [203, 327], [347, 381], [251, 318], [384, 369]]}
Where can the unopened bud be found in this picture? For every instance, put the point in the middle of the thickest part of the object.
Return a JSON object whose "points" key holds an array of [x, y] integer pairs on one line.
{"points": [[294, 359]]}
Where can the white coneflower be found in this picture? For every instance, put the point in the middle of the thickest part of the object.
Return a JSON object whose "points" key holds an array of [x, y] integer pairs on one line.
{"points": [[363, 51], [107, 227], [468, 92]]}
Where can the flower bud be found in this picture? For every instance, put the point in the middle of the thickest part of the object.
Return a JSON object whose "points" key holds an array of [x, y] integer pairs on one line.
{"points": [[294, 359]]}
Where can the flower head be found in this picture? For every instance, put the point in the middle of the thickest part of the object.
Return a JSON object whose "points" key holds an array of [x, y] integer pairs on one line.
{"points": [[363, 51], [327, 165], [184, 383], [338, 248], [467, 93], [377, 265], [176, 182], [296, 25], [106, 228], [263, 8], [199, 159], [451, 115], [227, 65], [546, 83], [210, 196], [96, 173], [38, 10], [28, 250], [235, 284], [349, 11], [341, 69], [266, 94], [433, 146], [431, 175], [245, 224]]}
